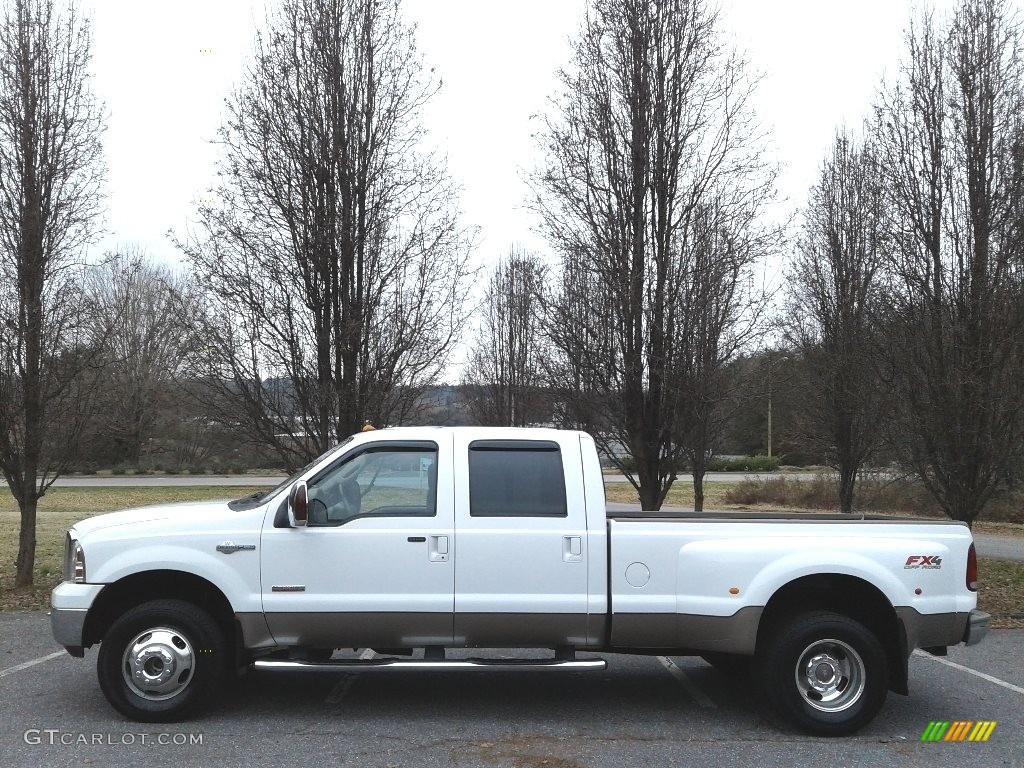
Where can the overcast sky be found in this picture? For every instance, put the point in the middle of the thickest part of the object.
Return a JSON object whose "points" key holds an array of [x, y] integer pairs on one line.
{"points": [[164, 68]]}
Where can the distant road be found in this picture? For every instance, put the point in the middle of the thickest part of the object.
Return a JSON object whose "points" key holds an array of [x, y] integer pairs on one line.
{"points": [[729, 477], [1001, 547], [187, 481], [164, 481]]}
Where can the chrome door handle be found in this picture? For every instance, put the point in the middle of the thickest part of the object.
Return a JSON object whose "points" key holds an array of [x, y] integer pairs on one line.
{"points": [[572, 549], [438, 549]]}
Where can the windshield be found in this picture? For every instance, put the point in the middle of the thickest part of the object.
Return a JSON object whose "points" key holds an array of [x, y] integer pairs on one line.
{"points": [[261, 495]]}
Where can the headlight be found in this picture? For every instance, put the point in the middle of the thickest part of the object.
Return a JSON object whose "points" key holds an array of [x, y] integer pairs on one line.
{"points": [[78, 563], [74, 560]]}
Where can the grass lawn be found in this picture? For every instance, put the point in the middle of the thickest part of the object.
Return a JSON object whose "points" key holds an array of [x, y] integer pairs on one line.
{"points": [[59, 509], [679, 495], [1002, 592]]}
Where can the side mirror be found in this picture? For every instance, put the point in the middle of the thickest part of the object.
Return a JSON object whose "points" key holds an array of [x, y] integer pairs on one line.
{"points": [[298, 505]]}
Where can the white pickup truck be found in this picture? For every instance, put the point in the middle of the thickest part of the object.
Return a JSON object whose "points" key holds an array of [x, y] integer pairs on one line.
{"points": [[433, 538]]}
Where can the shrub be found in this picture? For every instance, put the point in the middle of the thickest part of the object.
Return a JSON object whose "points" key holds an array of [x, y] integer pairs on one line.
{"points": [[745, 464], [626, 464], [873, 494]]}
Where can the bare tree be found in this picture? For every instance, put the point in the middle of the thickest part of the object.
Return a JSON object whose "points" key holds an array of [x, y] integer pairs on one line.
{"points": [[652, 191], [720, 312], [333, 257], [833, 289], [50, 174], [504, 378], [143, 310], [951, 135]]}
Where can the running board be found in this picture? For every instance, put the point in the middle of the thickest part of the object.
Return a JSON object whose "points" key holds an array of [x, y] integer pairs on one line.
{"points": [[455, 665]]}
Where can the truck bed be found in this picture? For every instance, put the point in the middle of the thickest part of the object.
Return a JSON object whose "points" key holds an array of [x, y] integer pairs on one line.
{"points": [[686, 578]]}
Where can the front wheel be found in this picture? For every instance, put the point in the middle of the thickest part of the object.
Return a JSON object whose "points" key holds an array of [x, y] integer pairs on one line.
{"points": [[824, 672], [160, 660]]}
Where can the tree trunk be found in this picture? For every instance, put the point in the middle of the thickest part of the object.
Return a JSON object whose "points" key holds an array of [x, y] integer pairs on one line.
{"points": [[650, 488], [649, 493], [699, 469], [847, 479], [25, 564]]}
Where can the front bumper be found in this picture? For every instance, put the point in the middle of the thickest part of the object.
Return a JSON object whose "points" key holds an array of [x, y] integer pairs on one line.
{"points": [[69, 605], [977, 627]]}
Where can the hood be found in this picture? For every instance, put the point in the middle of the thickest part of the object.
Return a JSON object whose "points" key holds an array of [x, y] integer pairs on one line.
{"points": [[201, 511]]}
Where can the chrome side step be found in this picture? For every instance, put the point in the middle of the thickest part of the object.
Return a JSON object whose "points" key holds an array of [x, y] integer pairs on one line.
{"points": [[455, 665]]}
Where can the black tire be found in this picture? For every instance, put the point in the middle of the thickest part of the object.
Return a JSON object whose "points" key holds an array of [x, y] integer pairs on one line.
{"points": [[786, 664], [193, 675], [732, 665]]}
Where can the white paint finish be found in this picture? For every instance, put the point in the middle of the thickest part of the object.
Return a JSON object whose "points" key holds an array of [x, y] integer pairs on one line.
{"points": [[518, 565], [178, 537], [597, 529], [691, 687], [695, 563], [27, 664], [194, 554], [968, 670], [367, 564]]}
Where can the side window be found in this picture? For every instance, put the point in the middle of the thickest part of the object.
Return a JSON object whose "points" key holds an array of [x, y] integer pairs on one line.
{"points": [[387, 481], [516, 478]]}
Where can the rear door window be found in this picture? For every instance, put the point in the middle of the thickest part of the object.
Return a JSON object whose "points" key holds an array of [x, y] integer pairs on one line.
{"points": [[516, 478]]}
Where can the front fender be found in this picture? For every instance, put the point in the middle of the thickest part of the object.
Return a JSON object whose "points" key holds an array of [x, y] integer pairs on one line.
{"points": [[236, 575]]}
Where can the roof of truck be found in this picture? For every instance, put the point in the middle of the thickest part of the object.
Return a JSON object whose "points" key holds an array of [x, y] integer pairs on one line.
{"points": [[509, 432]]}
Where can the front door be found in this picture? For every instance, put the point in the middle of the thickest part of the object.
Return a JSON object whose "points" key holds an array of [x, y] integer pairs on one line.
{"points": [[374, 566]]}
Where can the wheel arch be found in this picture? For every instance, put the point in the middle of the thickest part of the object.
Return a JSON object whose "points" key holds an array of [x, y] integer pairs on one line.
{"points": [[850, 596], [142, 587]]}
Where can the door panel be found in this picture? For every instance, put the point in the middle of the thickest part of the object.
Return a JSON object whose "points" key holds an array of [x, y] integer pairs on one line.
{"points": [[521, 542], [367, 570]]}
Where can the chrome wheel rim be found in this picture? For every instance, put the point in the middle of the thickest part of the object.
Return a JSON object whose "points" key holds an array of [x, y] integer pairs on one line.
{"points": [[158, 664], [830, 675]]}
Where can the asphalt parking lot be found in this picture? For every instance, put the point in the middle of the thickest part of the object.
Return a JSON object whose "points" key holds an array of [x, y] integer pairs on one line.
{"points": [[637, 712]]}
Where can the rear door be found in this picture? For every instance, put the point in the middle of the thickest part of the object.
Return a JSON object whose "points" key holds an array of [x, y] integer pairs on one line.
{"points": [[521, 542]]}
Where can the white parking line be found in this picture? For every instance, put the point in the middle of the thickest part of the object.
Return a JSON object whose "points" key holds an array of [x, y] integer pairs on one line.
{"points": [[691, 687], [27, 664], [968, 670], [338, 691]]}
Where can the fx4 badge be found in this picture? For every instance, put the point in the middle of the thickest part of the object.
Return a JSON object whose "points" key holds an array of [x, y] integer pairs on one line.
{"points": [[923, 561]]}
